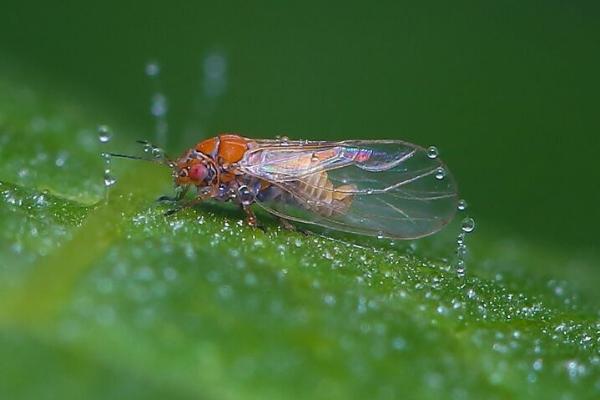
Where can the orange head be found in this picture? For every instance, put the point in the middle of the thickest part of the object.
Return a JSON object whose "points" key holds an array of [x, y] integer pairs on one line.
{"points": [[194, 168]]}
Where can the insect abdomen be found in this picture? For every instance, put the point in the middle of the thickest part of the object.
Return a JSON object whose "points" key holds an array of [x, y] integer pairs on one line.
{"points": [[322, 197]]}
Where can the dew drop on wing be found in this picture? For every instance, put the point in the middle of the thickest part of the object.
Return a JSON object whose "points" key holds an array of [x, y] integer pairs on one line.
{"points": [[432, 152], [440, 173], [468, 225]]}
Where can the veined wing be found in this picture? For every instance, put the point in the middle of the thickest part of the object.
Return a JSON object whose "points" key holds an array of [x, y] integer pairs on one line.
{"points": [[380, 188]]}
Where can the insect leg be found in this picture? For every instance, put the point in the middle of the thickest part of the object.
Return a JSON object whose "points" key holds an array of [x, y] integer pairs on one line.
{"points": [[173, 199], [187, 204], [287, 225], [251, 219]]}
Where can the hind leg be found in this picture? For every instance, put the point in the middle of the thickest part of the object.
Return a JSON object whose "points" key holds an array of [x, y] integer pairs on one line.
{"points": [[288, 226]]}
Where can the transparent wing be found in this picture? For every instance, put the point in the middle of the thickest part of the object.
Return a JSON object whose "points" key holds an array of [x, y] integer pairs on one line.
{"points": [[378, 188]]}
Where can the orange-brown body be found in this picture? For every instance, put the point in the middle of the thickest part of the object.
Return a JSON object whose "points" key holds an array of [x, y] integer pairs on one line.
{"points": [[219, 156], [211, 167], [225, 148], [383, 188]]}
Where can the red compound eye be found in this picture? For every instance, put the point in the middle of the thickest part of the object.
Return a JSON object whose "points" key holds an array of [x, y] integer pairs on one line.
{"points": [[198, 172]]}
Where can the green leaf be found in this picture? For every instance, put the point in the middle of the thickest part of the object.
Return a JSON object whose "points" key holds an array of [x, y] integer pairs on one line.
{"points": [[111, 299]]}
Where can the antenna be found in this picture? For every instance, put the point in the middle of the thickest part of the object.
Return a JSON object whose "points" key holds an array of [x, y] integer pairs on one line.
{"points": [[130, 157], [159, 155]]}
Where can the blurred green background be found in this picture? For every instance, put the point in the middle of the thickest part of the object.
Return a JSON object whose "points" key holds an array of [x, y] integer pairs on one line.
{"points": [[507, 90], [114, 300]]}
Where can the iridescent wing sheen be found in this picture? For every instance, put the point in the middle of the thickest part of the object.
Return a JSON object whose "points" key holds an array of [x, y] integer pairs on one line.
{"points": [[382, 188]]}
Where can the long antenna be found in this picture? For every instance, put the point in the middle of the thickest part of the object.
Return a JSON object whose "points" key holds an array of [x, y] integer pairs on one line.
{"points": [[158, 154], [132, 157]]}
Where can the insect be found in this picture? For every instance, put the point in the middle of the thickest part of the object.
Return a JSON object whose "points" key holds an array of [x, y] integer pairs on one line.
{"points": [[383, 188]]}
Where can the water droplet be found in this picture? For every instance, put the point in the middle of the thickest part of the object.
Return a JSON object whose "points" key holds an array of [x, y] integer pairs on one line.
{"points": [[432, 152], [246, 196], [215, 74], [462, 205], [157, 152], [109, 180], [575, 369], [104, 134], [329, 299], [170, 273], [152, 69], [399, 343], [158, 107], [225, 291], [559, 291], [440, 173], [460, 268], [61, 159], [442, 310], [468, 225], [40, 200], [250, 279]]}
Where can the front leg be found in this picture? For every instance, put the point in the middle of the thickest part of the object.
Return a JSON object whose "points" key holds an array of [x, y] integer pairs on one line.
{"points": [[190, 203], [174, 199], [184, 205]]}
